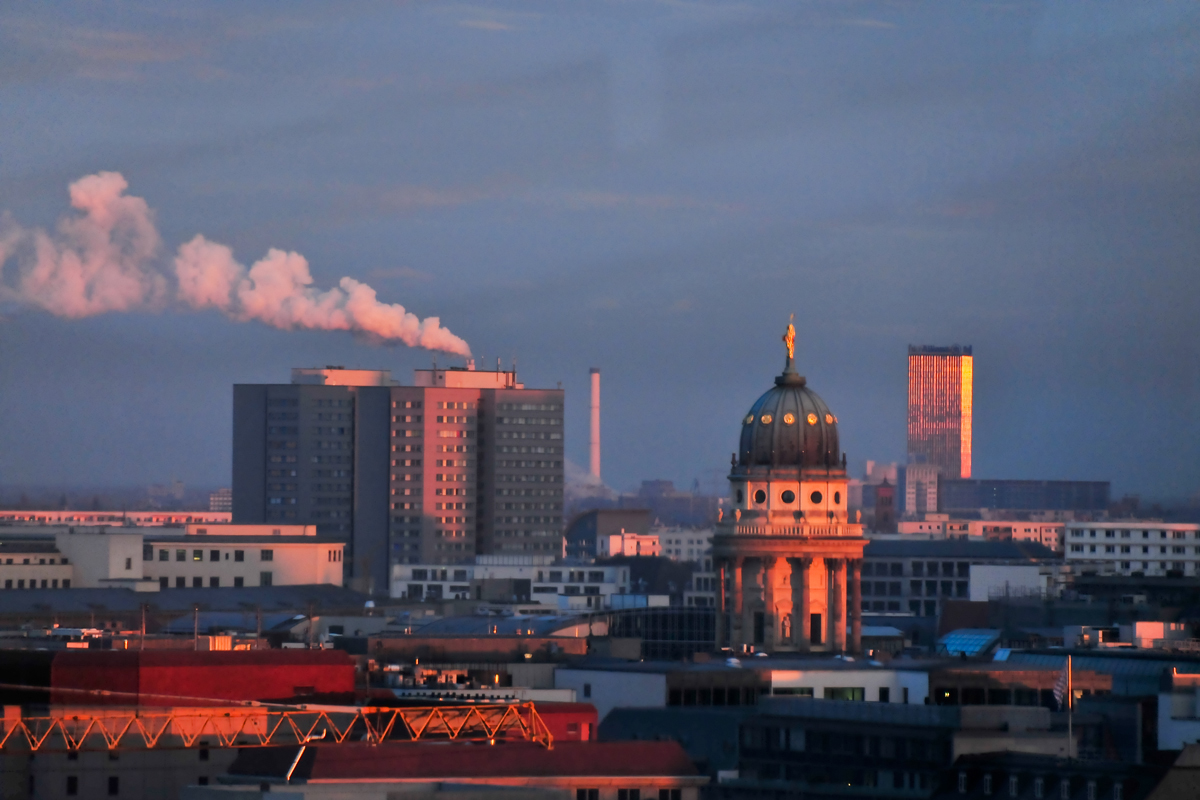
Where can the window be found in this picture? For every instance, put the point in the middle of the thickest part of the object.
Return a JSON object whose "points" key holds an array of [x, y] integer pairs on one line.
{"points": [[1091, 790], [164, 555], [181, 583], [264, 579], [1013, 785], [1039, 788], [587, 690], [72, 785], [987, 784], [214, 555], [164, 583], [197, 583], [203, 754], [129, 563], [629, 794], [267, 555], [114, 786], [147, 552], [181, 555], [239, 582], [197, 555], [214, 583], [962, 783], [670, 794], [587, 794], [885, 694], [1064, 789], [239, 555]]}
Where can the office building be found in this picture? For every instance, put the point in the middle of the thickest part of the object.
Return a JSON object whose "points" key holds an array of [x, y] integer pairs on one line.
{"points": [[461, 462], [919, 576], [956, 496], [940, 386], [1134, 548]]}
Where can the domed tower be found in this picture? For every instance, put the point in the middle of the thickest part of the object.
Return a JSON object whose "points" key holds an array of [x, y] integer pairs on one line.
{"points": [[787, 549]]}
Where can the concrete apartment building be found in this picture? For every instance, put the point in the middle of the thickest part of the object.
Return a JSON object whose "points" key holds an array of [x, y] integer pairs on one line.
{"points": [[461, 462], [1133, 548], [1049, 534], [201, 555]]}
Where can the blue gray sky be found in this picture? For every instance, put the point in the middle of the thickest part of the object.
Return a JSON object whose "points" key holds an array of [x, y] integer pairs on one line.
{"points": [[648, 188]]}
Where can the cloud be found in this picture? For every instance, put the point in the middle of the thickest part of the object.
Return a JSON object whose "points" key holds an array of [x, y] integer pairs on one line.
{"points": [[105, 259], [485, 25]]}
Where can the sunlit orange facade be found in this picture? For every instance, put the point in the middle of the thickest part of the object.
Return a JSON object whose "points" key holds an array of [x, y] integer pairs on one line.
{"points": [[940, 398]]}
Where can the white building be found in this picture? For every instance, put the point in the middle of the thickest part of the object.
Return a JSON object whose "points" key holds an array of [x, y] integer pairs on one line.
{"points": [[627, 544], [1133, 547], [515, 579], [686, 544], [208, 555], [1179, 712]]}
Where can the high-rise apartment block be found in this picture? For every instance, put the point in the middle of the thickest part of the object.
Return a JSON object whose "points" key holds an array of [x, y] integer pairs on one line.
{"points": [[459, 463], [940, 383]]}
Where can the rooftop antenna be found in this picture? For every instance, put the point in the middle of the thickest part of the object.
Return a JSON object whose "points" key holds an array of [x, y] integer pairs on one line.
{"points": [[498, 367]]}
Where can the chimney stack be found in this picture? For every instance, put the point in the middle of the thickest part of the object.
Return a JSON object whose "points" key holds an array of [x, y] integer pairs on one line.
{"points": [[594, 448]]}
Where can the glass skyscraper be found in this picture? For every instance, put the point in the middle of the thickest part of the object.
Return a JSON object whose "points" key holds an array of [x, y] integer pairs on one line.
{"points": [[939, 408]]}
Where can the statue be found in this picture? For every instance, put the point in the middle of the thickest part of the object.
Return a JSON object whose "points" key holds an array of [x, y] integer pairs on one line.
{"points": [[720, 514], [789, 338], [858, 517], [737, 515]]}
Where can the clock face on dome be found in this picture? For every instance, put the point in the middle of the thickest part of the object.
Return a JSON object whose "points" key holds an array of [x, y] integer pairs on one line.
{"points": [[789, 418], [767, 419], [812, 419], [829, 419]]}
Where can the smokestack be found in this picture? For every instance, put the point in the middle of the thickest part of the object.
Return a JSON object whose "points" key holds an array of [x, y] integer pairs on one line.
{"points": [[594, 448]]}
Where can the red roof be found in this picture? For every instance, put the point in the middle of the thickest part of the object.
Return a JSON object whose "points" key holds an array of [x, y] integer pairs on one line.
{"points": [[401, 761]]}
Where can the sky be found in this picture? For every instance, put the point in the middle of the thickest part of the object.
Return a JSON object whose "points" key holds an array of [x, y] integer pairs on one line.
{"points": [[650, 188]]}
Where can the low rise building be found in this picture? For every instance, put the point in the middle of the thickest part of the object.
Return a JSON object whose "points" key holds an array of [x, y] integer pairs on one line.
{"points": [[661, 684], [512, 579], [628, 544], [152, 558], [1134, 548], [1178, 710], [918, 575]]}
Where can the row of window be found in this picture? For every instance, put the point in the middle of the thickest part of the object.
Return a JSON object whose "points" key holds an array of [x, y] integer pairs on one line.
{"points": [[1016, 786], [1111, 548], [526, 449], [181, 582], [198, 555], [40, 561], [529, 421], [1080, 533], [47, 583]]}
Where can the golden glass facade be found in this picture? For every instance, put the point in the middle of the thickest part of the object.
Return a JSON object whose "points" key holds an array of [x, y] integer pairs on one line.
{"points": [[940, 381]]}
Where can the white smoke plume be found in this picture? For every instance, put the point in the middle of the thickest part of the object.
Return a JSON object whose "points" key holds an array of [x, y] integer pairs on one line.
{"points": [[106, 259]]}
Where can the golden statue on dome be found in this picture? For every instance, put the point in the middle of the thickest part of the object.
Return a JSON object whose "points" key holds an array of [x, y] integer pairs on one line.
{"points": [[789, 338]]}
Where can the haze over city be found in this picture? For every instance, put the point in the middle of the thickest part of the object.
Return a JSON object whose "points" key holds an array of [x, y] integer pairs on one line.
{"points": [[647, 188]]}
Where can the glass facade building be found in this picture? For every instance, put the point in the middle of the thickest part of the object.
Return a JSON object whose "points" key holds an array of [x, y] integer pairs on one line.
{"points": [[940, 381]]}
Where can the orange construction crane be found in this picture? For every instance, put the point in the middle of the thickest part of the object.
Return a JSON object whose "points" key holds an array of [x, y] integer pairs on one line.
{"points": [[264, 725]]}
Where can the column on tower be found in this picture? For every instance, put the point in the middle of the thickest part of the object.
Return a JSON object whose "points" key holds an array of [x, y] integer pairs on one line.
{"points": [[747, 608], [736, 630], [770, 621], [801, 613], [839, 606], [856, 605], [722, 618]]}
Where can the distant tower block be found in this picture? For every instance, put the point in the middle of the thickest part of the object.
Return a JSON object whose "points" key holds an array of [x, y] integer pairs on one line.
{"points": [[594, 442], [940, 400]]}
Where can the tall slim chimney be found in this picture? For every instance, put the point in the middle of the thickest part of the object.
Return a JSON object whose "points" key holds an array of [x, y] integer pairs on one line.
{"points": [[594, 448]]}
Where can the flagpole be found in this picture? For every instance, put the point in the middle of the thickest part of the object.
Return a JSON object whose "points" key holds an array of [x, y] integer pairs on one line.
{"points": [[1070, 711]]}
